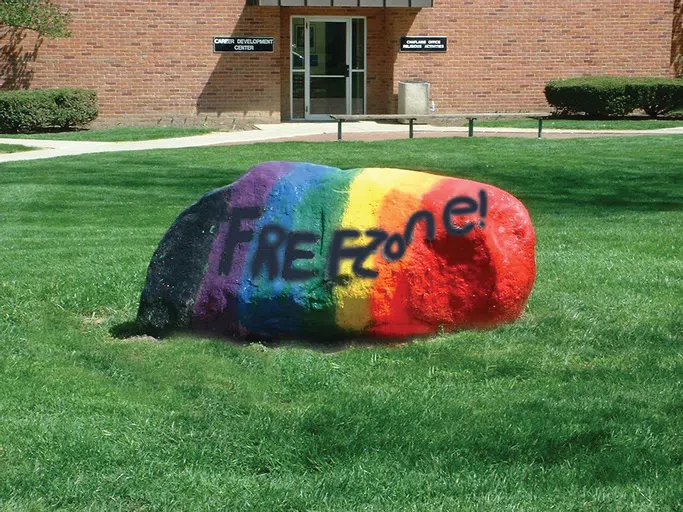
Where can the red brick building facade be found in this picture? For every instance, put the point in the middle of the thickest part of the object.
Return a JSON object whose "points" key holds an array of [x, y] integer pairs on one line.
{"points": [[153, 61]]}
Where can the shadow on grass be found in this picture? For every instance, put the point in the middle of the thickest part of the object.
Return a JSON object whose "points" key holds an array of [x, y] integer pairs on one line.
{"points": [[53, 129], [586, 176], [132, 329], [126, 330]]}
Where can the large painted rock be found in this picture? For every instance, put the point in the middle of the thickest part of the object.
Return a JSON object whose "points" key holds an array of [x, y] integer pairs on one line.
{"points": [[303, 250]]}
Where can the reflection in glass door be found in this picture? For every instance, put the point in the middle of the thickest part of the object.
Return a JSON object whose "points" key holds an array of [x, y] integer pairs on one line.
{"points": [[328, 67]]}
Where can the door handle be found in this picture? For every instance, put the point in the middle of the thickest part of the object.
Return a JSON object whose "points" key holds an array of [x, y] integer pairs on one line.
{"points": [[347, 71]]}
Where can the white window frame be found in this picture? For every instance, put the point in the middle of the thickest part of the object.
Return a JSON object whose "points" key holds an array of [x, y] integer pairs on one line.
{"points": [[307, 68]]}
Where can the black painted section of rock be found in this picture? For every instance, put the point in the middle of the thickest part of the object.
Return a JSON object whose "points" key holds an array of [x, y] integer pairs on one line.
{"points": [[178, 265]]}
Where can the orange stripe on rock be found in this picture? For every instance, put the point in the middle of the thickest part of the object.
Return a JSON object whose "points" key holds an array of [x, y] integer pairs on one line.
{"points": [[391, 299]]}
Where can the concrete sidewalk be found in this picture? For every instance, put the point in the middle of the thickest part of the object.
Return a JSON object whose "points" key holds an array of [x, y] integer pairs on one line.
{"points": [[365, 130]]}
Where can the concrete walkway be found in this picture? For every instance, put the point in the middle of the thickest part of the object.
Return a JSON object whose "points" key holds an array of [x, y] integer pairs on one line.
{"points": [[365, 130]]}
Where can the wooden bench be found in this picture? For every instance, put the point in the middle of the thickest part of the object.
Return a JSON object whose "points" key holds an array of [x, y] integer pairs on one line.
{"points": [[411, 118], [375, 117]]}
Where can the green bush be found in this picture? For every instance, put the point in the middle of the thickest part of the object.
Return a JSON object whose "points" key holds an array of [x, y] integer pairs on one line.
{"points": [[657, 96], [595, 96], [45, 109], [615, 96]]}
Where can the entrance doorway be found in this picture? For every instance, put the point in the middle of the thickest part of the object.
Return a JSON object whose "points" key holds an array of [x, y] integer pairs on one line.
{"points": [[328, 61]]}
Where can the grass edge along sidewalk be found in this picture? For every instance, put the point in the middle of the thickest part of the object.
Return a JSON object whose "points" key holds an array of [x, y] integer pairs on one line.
{"points": [[577, 405], [131, 134], [118, 134], [585, 124]]}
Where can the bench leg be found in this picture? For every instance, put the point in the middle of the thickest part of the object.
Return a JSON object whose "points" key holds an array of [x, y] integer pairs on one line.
{"points": [[339, 129], [410, 129], [471, 128], [540, 127]]}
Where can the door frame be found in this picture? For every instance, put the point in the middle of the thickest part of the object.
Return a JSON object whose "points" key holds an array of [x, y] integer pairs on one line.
{"points": [[307, 64]]}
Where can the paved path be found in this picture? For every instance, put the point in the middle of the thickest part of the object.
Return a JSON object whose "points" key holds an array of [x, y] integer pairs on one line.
{"points": [[365, 130]]}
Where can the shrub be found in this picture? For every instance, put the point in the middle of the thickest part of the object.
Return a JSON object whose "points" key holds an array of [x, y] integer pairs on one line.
{"points": [[595, 96], [45, 109], [615, 96], [657, 96]]}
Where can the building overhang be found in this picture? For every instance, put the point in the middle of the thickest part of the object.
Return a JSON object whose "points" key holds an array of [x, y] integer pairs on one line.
{"points": [[415, 4]]}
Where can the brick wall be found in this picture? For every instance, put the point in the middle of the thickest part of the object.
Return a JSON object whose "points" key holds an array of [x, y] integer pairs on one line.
{"points": [[677, 41], [152, 61], [501, 53]]}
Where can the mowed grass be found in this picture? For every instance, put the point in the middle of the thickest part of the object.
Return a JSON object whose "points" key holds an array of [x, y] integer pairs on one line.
{"points": [[587, 124], [577, 406], [121, 134], [13, 148]]}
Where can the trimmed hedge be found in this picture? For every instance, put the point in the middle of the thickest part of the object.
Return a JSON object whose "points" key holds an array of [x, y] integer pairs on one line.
{"points": [[615, 96], [45, 109], [659, 96]]}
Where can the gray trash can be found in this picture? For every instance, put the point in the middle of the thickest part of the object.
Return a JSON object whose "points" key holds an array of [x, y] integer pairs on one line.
{"points": [[413, 98]]}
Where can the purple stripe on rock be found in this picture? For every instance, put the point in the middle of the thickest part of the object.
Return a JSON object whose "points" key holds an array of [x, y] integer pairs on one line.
{"points": [[216, 303]]}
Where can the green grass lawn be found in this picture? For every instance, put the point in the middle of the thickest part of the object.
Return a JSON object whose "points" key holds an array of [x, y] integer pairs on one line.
{"points": [[577, 406], [13, 148], [115, 134], [580, 124]]}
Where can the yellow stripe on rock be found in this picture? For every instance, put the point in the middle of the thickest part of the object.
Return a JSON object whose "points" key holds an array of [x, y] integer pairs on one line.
{"points": [[366, 195]]}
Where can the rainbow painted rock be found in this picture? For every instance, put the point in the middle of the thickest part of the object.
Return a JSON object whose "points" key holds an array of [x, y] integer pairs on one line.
{"points": [[303, 250]]}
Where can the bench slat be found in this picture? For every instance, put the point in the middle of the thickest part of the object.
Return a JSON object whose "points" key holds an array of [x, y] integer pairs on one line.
{"points": [[381, 117], [372, 117], [539, 116]]}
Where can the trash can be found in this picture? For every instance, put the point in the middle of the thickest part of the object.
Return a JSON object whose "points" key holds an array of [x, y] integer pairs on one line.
{"points": [[413, 98]]}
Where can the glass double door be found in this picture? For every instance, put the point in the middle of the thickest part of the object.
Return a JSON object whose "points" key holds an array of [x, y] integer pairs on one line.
{"points": [[328, 67]]}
